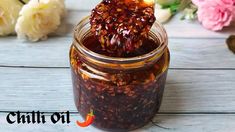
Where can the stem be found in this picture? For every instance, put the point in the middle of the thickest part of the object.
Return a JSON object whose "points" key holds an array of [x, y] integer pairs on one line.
{"points": [[21, 1]]}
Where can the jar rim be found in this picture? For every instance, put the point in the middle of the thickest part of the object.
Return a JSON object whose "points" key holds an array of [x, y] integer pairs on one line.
{"points": [[117, 60]]}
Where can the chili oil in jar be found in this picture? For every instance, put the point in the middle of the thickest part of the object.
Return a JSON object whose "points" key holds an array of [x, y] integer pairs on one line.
{"points": [[124, 92]]}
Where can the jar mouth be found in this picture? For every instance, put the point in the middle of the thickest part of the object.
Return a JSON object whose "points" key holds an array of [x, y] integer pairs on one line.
{"points": [[159, 50]]}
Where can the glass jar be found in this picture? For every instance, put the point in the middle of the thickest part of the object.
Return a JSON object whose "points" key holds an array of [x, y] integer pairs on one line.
{"points": [[124, 93]]}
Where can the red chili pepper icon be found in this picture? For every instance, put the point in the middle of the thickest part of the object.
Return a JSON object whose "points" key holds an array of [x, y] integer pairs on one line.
{"points": [[89, 120]]}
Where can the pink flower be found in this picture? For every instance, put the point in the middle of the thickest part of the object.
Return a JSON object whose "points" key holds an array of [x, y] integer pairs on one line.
{"points": [[198, 2], [215, 14], [229, 2]]}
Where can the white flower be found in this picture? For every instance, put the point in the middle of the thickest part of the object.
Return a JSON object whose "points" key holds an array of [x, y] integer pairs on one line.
{"points": [[39, 18], [162, 15], [9, 12]]}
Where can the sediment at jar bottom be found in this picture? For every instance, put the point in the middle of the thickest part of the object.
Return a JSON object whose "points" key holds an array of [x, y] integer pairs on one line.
{"points": [[119, 110]]}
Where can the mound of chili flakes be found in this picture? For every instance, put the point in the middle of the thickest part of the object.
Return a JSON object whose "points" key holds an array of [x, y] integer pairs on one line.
{"points": [[121, 25]]}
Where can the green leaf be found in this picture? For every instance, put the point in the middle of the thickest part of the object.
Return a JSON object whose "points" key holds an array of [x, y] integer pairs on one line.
{"points": [[174, 8], [167, 3], [174, 5]]}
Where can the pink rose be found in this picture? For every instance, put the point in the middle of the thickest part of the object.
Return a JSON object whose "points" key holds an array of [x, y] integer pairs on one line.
{"points": [[229, 2], [215, 14], [198, 2]]}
